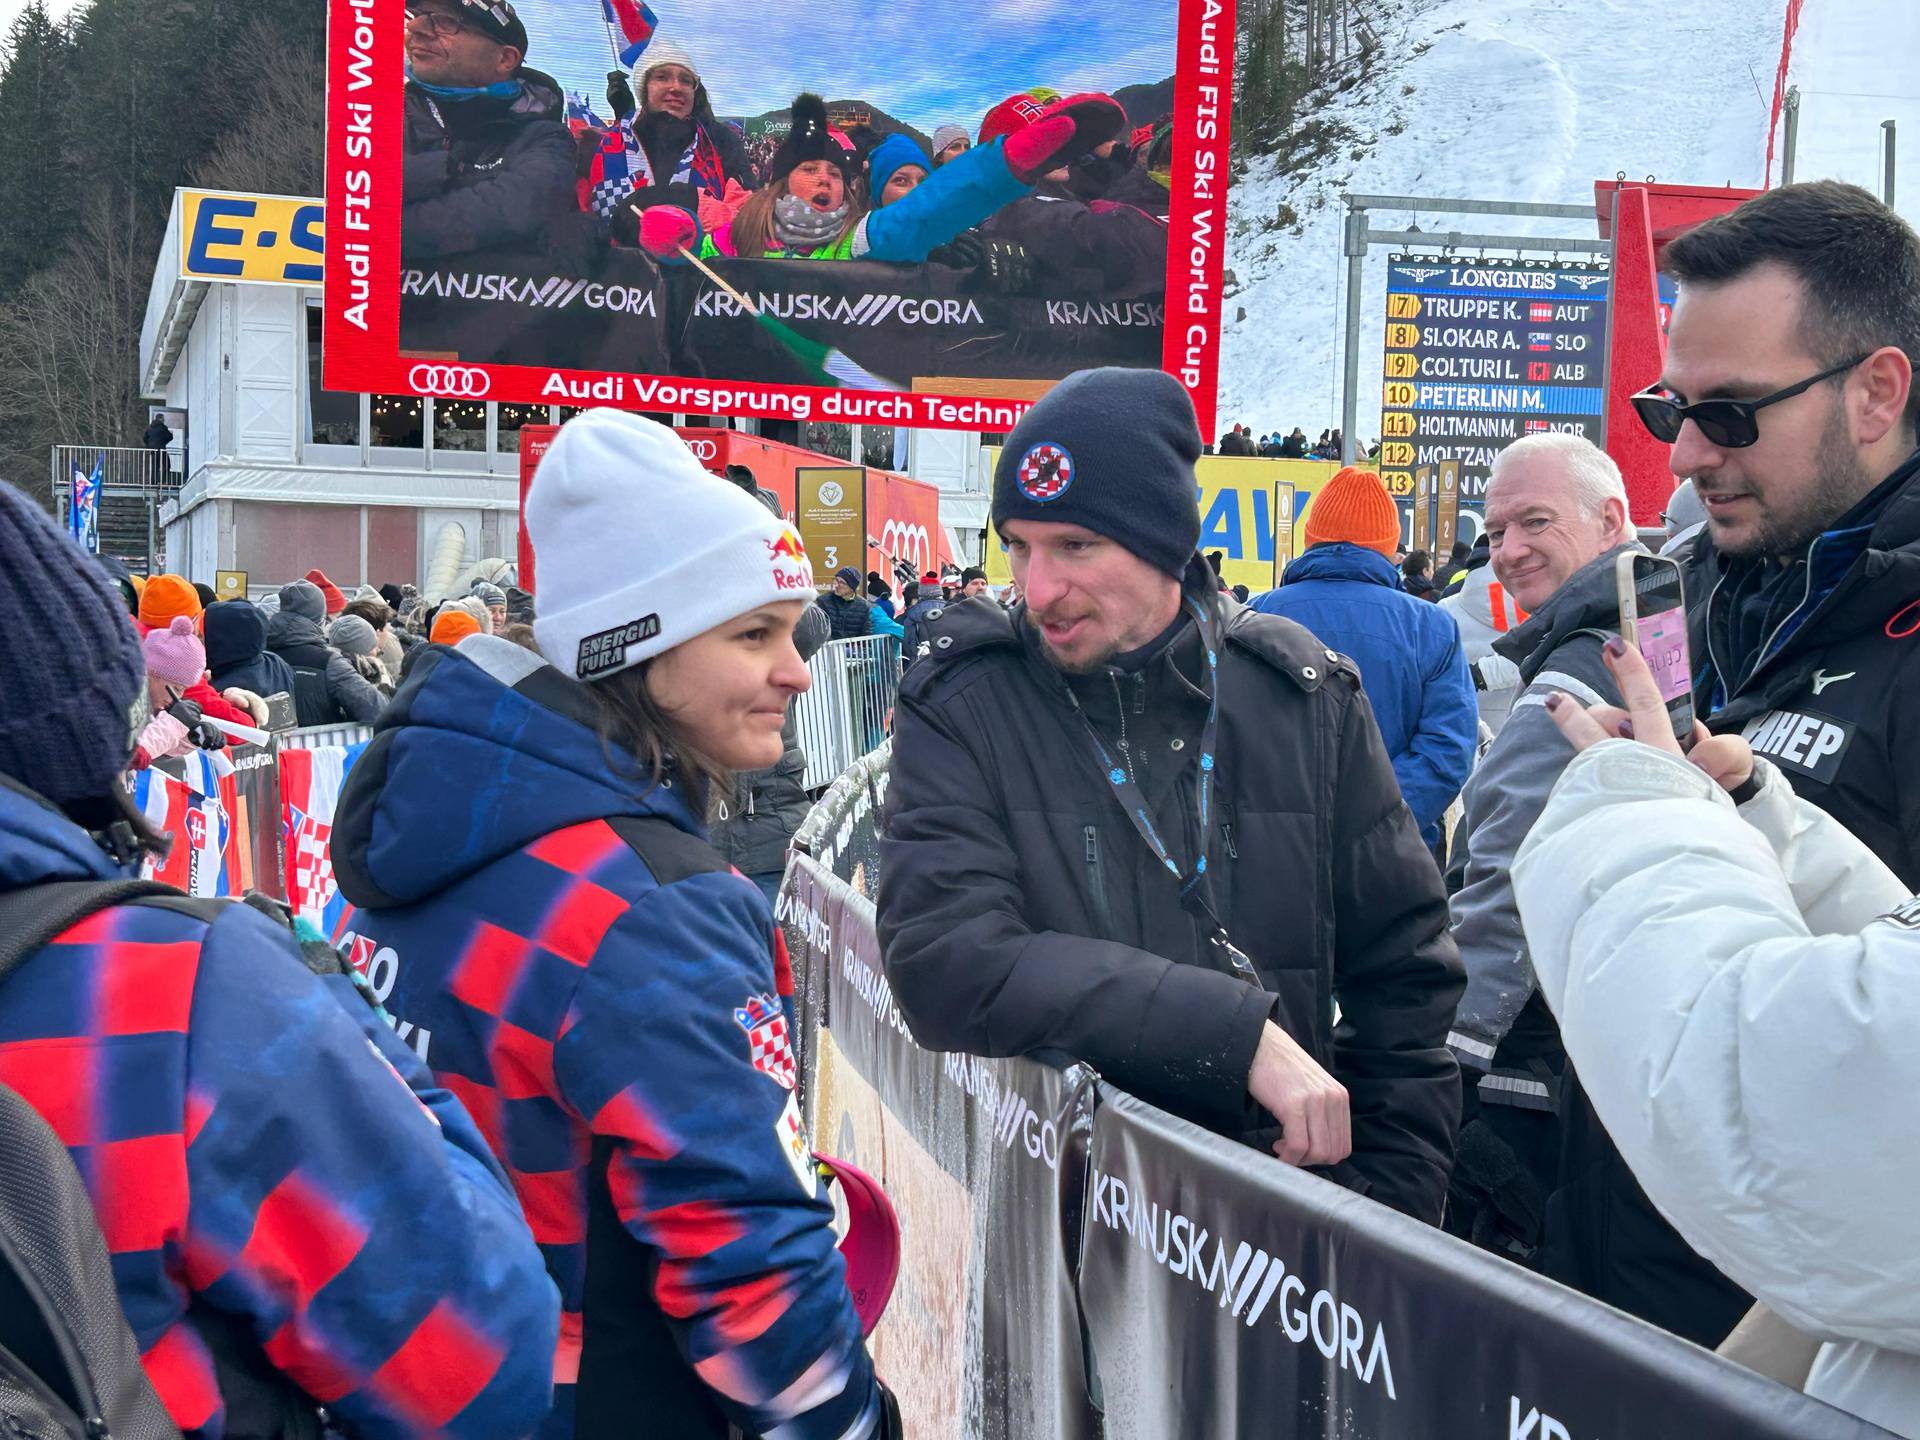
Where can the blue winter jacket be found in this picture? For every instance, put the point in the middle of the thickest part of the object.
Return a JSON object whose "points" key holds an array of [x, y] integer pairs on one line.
{"points": [[266, 1159], [1411, 666], [619, 1028]]}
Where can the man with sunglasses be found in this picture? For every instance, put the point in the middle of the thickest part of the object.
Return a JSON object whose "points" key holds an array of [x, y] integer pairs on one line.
{"points": [[489, 160], [1788, 399]]}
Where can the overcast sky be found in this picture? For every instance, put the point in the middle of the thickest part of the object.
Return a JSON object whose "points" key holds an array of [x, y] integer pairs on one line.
{"points": [[925, 62], [11, 8]]}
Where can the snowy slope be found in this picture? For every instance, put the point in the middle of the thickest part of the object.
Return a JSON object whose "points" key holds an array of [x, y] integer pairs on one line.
{"points": [[1847, 87], [1529, 100]]}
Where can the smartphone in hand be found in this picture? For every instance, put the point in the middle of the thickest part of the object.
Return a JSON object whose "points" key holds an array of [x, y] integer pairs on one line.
{"points": [[1653, 619]]}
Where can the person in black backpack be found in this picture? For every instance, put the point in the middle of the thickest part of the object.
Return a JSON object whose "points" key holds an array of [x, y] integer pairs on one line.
{"points": [[327, 690], [297, 1215]]}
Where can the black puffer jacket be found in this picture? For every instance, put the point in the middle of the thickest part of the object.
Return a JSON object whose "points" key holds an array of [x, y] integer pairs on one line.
{"points": [[767, 806], [1020, 911], [237, 654], [850, 616], [484, 173], [327, 690]]}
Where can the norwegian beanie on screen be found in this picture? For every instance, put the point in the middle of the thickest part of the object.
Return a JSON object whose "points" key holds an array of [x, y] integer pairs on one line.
{"points": [[74, 668], [1111, 450], [641, 548]]}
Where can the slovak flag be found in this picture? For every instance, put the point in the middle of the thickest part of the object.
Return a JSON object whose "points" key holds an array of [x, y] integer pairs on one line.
{"points": [[197, 813], [84, 518], [1539, 340], [1539, 310], [633, 23], [310, 782]]}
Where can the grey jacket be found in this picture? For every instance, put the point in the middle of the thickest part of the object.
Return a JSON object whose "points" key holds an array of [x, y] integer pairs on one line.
{"points": [[1557, 649]]}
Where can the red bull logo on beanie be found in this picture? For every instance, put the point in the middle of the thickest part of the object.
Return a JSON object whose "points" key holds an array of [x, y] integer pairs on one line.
{"points": [[1045, 472], [792, 570]]}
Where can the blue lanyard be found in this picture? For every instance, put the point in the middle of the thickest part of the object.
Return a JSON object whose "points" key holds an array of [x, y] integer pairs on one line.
{"points": [[1133, 801]]}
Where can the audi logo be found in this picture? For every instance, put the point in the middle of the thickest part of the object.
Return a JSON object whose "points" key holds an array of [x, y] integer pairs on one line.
{"points": [[704, 449], [454, 382], [909, 542]]}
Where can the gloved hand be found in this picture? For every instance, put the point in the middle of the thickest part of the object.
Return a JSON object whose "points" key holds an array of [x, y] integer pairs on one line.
{"points": [[620, 95], [715, 213], [963, 252], [661, 230], [1007, 268], [185, 711], [1064, 132], [208, 736]]}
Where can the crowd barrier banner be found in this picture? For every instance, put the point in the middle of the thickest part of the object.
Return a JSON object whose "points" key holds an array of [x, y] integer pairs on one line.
{"points": [[193, 798], [1076, 1262], [310, 781]]}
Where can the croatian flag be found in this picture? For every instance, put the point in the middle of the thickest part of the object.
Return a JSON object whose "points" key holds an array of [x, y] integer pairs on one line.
{"points": [[631, 22], [84, 517], [310, 782]]}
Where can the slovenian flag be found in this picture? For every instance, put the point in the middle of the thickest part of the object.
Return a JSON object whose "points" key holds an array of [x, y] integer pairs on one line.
{"points": [[1540, 340], [632, 23], [310, 782], [580, 113]]}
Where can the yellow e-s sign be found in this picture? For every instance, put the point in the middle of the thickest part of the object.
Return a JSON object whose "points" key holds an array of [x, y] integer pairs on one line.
{"points": [[265, 239]]}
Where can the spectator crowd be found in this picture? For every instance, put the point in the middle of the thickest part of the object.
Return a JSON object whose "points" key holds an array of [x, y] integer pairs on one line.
{"points": [[1399, 875]]}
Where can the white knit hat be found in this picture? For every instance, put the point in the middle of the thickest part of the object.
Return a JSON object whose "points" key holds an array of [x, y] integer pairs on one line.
{"points": [[662, 51], [640, 549]]}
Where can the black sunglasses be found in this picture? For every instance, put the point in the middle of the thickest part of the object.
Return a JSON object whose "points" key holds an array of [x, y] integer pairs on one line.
{"points": [[1730, 424]]}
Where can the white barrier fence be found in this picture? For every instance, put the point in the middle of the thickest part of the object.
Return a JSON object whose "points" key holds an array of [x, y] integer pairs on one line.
{"points": [[849, 709]]}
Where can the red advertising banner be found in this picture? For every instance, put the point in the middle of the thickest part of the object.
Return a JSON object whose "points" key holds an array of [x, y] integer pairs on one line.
{"points": [[903, 523], [528, 276], [534, 440]]}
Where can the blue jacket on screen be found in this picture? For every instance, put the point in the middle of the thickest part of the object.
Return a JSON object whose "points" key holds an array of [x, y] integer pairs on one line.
{"points": [[1411, 666]]}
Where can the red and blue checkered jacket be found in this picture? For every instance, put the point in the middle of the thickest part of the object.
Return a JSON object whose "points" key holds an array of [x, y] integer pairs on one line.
{"points": [[256, 1142], [610, 1003]]}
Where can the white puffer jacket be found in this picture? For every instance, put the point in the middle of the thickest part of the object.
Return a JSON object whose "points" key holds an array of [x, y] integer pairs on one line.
{"points": [[1740, 991]]}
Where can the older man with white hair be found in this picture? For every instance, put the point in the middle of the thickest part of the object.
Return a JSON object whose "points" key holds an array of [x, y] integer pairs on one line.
{"points": [[1556, 516]]}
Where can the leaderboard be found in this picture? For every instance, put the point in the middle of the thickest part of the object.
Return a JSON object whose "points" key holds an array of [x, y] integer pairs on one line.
{"points": [[1482, 352]]}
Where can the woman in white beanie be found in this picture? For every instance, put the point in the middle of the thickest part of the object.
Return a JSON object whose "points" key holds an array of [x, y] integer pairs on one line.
{"points": [[525, 841]]}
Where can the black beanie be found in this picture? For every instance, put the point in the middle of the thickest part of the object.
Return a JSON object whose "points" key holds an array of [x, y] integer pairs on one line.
{"points": [[1112, 450], [808, 139], [74, 669]]}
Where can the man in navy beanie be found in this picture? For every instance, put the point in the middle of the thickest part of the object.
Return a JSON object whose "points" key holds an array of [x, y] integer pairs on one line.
{"points": [[1136, 823]]}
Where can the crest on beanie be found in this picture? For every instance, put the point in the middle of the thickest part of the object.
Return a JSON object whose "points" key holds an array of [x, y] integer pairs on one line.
{"points": [[1045, 472]]}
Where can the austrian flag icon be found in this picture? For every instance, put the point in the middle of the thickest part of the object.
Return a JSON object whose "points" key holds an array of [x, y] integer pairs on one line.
{"points": [[768, 1044]]}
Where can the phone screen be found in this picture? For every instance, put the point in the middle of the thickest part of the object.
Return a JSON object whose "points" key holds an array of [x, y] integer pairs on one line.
{"points": [[1656, 604]]}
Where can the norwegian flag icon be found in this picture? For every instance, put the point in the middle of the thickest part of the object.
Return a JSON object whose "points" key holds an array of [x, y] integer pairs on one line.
{"points": [[1535, 427], [768, 1044], [1045, 472], [1539, 310]]}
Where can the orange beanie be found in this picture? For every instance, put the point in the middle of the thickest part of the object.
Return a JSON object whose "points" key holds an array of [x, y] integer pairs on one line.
{"points": [[166, 596], [451, 626], [330, 592], [1354, 506]]}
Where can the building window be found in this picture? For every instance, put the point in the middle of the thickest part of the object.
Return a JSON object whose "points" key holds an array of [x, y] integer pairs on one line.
{"points": [[512, 417], [333, 416], [399, 422], [460, 425]]}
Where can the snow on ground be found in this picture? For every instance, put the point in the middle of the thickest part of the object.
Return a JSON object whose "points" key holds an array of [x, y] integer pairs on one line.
{"points": [[1529, 100], [1841, 62]]}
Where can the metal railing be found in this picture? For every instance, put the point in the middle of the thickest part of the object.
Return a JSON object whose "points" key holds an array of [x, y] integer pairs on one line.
{"points": [[124, 469], [849, 709]]}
